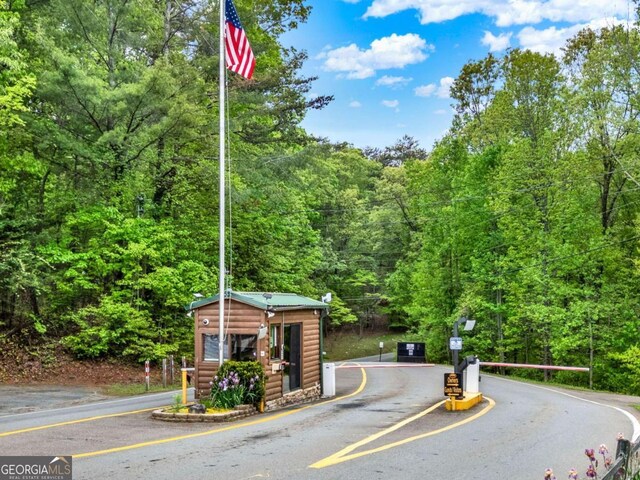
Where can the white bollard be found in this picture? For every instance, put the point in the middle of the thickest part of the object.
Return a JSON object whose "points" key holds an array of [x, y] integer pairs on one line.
{"points": [[472, 378], [329, 380]]}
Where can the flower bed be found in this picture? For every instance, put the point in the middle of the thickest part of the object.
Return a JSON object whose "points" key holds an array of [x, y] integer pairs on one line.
{"points": [[241, 411]]}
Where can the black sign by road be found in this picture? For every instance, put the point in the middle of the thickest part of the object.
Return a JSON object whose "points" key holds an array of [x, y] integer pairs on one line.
{"points": [[453, 385]]}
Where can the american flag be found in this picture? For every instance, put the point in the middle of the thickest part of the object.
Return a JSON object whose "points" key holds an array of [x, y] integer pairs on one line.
{"points": [[239, 56]]}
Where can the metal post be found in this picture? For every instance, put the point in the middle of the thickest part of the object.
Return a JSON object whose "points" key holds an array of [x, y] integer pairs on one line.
{"points": [[381, 347], [146, 375], [171, 369], [456, 368], [221, 185]]}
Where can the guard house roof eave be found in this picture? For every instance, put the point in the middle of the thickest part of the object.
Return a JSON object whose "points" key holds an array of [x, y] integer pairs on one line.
{"points": [[276, 302]]}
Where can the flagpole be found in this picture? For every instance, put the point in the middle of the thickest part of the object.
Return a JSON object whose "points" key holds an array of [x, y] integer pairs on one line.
{"points": [[221, 187]]}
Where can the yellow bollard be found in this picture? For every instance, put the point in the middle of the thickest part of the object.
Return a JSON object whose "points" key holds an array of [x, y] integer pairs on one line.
{"points": [[184, 386]]}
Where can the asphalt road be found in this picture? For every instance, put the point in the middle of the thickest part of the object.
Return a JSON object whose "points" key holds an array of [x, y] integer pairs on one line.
{"points": [[375, 428]]}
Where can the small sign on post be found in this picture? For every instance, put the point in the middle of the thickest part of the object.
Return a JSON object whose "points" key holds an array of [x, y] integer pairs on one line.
{"points": [[146, 375], [453, 385], [455, 343]]}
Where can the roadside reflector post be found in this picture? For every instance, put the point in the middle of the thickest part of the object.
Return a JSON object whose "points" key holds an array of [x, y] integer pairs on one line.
{"points": [[171, 370], [146, 375], [164, 373]]}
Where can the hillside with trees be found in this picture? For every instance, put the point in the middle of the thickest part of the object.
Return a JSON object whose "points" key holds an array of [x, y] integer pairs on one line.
{"points": [[524, 216]]}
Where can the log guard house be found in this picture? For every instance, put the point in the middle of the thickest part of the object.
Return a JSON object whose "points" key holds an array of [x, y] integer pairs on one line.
{"points": [[280, 330]]}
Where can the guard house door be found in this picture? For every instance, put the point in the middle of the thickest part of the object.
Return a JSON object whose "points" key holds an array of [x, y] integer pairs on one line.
{"points": [[292, 356]]}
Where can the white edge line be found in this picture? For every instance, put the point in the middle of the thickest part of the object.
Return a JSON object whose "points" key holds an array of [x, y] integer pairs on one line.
{"points": [[107, 402], [634, 420]]}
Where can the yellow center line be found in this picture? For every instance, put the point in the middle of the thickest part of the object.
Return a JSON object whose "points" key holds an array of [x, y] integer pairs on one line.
{"points": [[342, 455], [72, 422], [224, 429]]}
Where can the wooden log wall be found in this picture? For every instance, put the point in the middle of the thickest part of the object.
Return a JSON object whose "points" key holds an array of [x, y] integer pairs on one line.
{"points": [[310, 345], [243, 320]]}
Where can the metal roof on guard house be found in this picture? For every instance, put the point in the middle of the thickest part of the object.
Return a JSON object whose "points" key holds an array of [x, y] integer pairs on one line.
{"points": [[265, 300]]}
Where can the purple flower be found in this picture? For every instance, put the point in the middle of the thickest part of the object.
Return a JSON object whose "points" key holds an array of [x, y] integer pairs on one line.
{"points": [[548, 474], [590, 453], [591, 472], [603, 449], [573, 474]]}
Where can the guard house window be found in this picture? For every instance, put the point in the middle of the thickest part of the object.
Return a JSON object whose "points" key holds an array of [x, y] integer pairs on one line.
{"points": [[275, 340], [243, 347], [211, 352]]}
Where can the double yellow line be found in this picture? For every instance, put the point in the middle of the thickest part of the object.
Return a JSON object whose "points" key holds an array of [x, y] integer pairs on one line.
{"points": [[345, 454], [73, 422]]}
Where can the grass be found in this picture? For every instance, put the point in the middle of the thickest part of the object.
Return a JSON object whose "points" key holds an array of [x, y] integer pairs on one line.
{"points": [[344, 346], [130, 389]]}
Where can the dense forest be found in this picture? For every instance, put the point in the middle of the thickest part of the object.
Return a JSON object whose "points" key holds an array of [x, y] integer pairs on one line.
{"points": [[523, 216]]}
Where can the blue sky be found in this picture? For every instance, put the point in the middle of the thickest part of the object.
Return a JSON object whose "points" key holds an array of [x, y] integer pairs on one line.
{"points": [[389, 63]]}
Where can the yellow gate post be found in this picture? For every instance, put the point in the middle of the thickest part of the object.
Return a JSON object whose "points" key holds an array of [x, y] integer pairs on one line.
{"points": [[184, 383]]}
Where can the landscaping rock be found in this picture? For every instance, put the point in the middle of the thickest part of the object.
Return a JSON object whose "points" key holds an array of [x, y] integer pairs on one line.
{"points": [[197, 408]]}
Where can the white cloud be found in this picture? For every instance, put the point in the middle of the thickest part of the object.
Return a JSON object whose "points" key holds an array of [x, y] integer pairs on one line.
{"points": [[425, 90], [395, 51], [504, 12], [355, 104], [441, 91], [445, 86], [393, 82], [390, 103], [552, 39], [440, 112], [323, 53], [496, 44]]}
